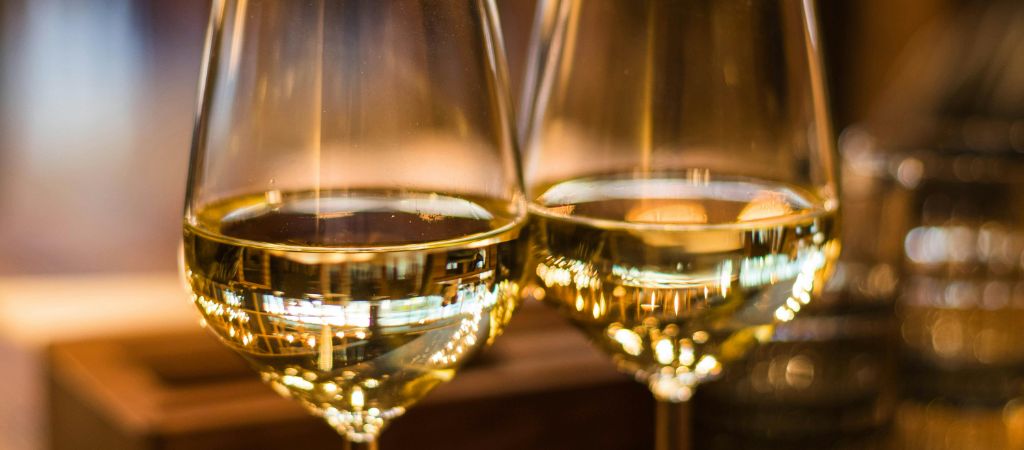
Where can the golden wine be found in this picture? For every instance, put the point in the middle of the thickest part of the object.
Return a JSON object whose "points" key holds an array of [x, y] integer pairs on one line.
{"points": [[673, 274], [356, 304]]}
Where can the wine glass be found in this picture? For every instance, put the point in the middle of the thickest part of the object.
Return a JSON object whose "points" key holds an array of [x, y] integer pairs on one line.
{"points": [[354, 203], [680, 168]]}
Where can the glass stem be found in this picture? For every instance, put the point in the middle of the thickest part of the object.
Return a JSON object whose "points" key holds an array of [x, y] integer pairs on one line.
{"points": [[672, 426], [370, 445]]}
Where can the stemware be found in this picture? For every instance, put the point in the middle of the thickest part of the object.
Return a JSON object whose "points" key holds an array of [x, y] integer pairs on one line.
{"points": [[680, 167], [353, 212]]}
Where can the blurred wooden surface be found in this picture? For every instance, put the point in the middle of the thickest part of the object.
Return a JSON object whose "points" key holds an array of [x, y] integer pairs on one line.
{"points": [[36, 311], [540, 387]]}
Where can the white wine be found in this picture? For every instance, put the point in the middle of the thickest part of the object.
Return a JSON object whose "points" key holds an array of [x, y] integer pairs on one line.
{"points": [[355, 303], [675, 273]]}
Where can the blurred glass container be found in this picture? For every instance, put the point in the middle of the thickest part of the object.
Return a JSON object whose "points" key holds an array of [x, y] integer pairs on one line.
{"points": [[951, 138], [961, 310], [963, 300], [825, 382]]}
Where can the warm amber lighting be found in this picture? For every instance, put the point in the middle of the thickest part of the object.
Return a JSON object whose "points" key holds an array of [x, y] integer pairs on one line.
{"points": [[356, 399], [766, 205], [678, 212]]}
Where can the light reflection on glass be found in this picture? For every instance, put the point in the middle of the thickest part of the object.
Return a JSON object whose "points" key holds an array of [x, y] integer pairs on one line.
{"points": [[361, 362], [671, 347], [962, 302]]}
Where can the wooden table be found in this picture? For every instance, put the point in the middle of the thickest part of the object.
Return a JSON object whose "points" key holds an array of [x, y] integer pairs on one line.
{"points": [[541, 386]]}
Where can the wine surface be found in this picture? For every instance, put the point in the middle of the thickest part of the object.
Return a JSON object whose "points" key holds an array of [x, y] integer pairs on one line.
{"points": [[675, 274], [356, 304]]}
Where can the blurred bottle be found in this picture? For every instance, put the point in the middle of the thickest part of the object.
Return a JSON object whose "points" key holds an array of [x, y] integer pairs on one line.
{"points": [[962, 305], [953, 142]]}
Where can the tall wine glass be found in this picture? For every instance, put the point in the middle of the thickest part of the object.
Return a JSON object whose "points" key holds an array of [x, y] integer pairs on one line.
{"points": [[680, 167], [354, 204]]}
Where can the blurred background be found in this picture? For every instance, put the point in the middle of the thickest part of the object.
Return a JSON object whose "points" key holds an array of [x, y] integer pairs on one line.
{"points": [[98, 99], [917, 346]]}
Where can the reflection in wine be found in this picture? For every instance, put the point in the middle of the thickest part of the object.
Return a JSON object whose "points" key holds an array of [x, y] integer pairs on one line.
{"points": [[355, 334], [674, 274]]}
